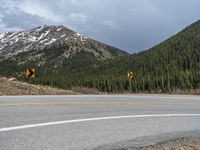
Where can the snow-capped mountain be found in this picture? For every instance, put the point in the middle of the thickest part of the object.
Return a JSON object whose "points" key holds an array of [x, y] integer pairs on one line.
{"points": [[44, 37]]}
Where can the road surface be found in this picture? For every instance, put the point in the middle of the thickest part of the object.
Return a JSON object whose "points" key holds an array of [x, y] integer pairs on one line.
{"points": [[95, 122]]}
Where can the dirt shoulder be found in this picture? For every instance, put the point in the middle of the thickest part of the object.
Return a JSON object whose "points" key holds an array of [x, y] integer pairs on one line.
{"points": [[10, 86], [179, 144]]}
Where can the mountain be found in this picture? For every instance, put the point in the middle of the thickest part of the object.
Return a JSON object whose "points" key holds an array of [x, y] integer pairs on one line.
{"points": [[38, 40], [171, 66]]}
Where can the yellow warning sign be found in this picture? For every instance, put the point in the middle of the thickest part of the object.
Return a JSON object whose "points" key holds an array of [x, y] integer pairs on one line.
{"points": [[30, 73], [130, 75]]}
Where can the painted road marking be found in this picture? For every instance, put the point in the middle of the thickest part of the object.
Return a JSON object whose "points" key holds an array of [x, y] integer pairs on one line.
{"points": [[93, 103], [93, 119]]}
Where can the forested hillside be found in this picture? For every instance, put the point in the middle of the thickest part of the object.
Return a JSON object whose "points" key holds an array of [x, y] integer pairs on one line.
{"points": [[173, 64]]}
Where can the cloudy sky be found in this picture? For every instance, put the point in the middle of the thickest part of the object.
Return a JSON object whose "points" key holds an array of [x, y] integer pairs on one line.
{"points": [[131, 25]]}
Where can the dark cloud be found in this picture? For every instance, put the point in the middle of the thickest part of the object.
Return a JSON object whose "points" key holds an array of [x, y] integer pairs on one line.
{"points": [[132, 25], [23, 21]]}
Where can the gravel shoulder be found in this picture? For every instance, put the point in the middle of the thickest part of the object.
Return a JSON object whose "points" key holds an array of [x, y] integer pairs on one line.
{"points": [[178, 144]]}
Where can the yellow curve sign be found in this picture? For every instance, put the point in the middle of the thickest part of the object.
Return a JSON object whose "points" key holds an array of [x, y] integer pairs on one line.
{"points": [[30, 73], [130, 75]]}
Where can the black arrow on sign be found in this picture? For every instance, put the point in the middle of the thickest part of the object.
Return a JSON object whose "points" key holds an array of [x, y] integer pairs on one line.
{"points": [[31, 72]]}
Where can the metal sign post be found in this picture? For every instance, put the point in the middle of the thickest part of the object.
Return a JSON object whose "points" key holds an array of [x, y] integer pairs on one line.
{"points": [[30, 73], [130, 76]]}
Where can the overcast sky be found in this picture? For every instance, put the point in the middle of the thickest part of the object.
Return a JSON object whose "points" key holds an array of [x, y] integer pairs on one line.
{"points": [[132, 25]]}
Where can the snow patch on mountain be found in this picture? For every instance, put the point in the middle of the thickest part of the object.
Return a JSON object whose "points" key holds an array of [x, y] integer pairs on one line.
{"points": [[42, 37]]}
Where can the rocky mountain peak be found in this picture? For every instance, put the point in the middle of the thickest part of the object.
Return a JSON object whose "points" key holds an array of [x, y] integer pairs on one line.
{"points": [[44, 37]]}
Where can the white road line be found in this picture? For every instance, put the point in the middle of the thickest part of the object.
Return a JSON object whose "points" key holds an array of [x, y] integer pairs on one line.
{"points": [[94, 119]]}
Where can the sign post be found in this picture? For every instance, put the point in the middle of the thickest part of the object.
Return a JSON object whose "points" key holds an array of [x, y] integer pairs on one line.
{"points": [[30, 73], [130, 76]]}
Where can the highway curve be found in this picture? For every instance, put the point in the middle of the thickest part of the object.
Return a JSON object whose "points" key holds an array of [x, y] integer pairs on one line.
{"points": [[95, 121]]}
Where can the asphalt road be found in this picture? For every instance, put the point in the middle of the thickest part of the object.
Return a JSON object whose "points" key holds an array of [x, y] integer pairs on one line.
{"points": [[95, 122]]}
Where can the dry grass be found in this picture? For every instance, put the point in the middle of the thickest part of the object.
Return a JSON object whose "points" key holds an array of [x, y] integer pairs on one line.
{"points": [[10, 86], [84, 90]]}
